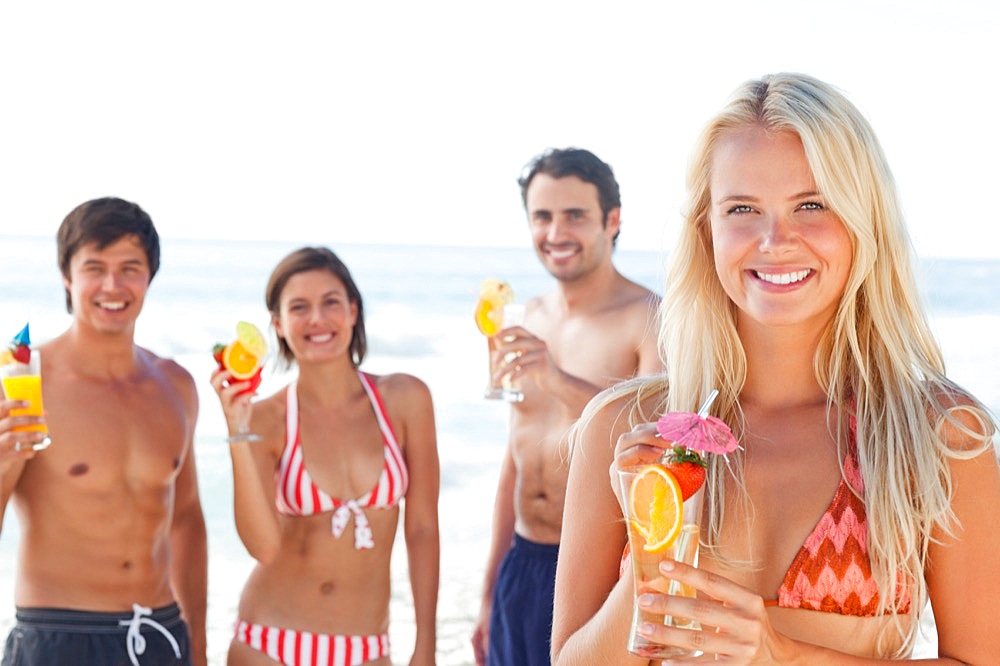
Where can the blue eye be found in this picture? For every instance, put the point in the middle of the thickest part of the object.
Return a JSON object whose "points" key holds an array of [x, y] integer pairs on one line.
{"points": [[812, 205], [736, 210]]}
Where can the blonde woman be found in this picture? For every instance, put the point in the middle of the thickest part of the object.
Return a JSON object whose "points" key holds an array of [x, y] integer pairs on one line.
{"points": [[321, 470], [867, 482]]}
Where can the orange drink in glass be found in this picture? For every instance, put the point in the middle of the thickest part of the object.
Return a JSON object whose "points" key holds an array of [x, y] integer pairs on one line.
{"points": [[23, 381], [494, 297], [661, 525]]}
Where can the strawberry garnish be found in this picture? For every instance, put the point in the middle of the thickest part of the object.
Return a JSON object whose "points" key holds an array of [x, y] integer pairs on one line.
{"points": [[217, 350], [688, 467], [21, 353], [20, 346]]}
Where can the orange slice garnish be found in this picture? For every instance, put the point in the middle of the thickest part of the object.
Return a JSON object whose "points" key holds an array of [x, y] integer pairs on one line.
{"points": [[657, 507], [489, 317], [239, 361], [493, 295]]}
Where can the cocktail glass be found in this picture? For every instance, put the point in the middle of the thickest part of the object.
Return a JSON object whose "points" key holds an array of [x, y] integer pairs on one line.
{"points": [[513, 315], [646, 571], [494, 295], [23, 381]]}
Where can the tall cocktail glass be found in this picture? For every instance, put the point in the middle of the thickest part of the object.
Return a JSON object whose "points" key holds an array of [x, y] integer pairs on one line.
{"points": [[494, 295], [23, 381], [657, 533]]}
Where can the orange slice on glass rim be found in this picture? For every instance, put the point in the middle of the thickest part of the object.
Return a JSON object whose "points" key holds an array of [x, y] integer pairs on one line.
{"points": [[489, 317], [493, 295], [239, 361], [657, 507]]}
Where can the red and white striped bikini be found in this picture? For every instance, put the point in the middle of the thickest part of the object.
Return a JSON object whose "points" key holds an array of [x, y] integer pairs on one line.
{"points": [[297, 495]]}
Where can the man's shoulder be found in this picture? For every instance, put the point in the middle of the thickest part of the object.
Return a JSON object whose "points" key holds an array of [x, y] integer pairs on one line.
{"points": [[629, 293], [167, 372], [161, 364]]}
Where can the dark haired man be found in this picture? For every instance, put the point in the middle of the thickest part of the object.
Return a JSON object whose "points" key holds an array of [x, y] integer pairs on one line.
{"points": [[113, 559], [594, 328]]}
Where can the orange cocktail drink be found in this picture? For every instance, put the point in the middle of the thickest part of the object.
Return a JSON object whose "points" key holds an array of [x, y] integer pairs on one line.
{"points": [[23, 381], [495, 298], [29, 389]]}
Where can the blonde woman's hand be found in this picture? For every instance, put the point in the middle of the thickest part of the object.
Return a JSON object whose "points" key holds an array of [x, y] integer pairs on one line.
{"points": [[639, 446], [735, 625]]}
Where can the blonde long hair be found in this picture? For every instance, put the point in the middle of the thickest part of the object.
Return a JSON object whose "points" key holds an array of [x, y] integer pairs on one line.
{"points": [[877, 361]]}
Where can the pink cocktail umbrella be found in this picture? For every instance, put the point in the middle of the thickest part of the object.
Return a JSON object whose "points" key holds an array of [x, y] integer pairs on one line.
{"points": [[699, 432]]}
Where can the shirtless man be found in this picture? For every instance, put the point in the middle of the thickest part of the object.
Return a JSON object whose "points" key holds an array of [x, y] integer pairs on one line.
{"points": [[595, 328], [113, 558]]}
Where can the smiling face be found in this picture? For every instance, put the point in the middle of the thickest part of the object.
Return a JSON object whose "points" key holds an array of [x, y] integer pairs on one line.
{"points": [[781, 254], [567, 229], [107, 286], [316, 317]]}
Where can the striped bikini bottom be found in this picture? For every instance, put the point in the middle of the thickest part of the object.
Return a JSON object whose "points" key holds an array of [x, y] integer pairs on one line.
{"points": [[304, 648]]}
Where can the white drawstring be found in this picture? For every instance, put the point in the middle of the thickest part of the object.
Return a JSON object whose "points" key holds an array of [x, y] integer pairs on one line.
{"points": [[135, 642]]}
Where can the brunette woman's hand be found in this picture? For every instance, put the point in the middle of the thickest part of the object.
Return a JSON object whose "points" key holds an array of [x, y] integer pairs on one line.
{"points": [[236, 404]]}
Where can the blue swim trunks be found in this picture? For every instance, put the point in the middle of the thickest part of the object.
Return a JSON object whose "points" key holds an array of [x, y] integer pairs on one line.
{"points": [[521, 621], [144, 637]]}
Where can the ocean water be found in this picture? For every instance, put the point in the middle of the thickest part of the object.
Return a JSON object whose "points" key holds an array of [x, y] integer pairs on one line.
{"points": [[418, 303]]}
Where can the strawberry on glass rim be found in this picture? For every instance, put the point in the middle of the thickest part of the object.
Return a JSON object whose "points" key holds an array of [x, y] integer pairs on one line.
{"points": [[693, 434], [19, 349], [244, 357]]}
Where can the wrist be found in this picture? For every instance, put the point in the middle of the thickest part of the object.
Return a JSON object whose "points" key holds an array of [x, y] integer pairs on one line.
{"points": [[242, 434]]}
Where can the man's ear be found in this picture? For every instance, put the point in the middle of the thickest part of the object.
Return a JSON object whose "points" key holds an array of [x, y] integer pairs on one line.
{"points": [[613, 221]]}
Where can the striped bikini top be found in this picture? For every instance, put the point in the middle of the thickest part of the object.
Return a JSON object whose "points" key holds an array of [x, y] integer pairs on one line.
{"points": [[297, 495], [832, 571]]}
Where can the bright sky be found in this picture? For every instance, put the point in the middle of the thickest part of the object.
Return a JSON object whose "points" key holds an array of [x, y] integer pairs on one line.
{"points": [[408, 122]]}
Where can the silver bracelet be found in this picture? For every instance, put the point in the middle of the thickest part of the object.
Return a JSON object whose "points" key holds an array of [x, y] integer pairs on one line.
{"points": [[243, 437]]}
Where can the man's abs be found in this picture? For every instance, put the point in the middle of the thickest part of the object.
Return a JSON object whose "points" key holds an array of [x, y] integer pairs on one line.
{"points": [[540, 486]]}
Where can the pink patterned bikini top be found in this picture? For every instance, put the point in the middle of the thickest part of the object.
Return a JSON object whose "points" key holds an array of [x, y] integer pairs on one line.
{"points": [[297, 495], [832, 571]]}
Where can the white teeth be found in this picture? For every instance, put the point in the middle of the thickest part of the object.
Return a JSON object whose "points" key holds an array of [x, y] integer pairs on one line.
{"points": [[116, 305], [320, 338], [561, 254], [783, 278]]}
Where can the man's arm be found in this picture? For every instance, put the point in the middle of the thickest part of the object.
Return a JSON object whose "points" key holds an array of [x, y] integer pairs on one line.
{"points": [[189, 544], [533, 358], [11, 460], [10, 473], [502, 534]]}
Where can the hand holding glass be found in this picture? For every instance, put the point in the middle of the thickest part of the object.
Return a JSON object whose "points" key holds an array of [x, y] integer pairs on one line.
{"points": [[23, 381], [513, 315]]}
